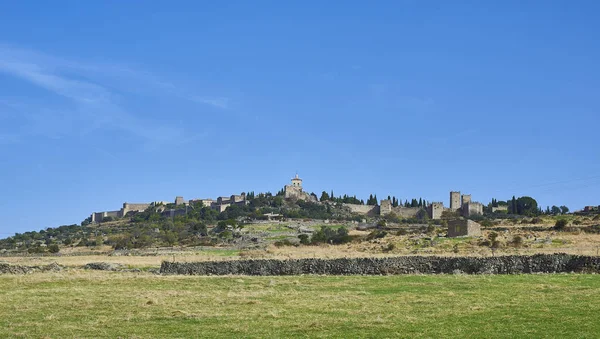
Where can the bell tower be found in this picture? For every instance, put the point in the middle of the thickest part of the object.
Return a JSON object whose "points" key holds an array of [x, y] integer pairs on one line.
{"points": [[297, 182]]}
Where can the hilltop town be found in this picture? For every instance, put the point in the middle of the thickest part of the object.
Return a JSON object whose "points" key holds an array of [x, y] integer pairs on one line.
{"points": [[460, 203], [293, 217]]}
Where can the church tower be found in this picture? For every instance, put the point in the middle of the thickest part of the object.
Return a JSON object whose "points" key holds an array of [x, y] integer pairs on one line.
{"points": [[297, 182]]}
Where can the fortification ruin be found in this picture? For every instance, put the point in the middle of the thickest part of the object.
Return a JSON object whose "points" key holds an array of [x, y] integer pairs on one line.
{"points": [[463, 228], [462, 204], [219, 205]]}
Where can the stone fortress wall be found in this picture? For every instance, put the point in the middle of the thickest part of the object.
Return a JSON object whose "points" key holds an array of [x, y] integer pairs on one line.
{"points": [[220, 205], [458, 203], [370, 210]]}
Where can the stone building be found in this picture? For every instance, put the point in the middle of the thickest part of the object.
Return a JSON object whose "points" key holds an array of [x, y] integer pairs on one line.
{"points": [[463, 228], [224, 202], [295, 192]]}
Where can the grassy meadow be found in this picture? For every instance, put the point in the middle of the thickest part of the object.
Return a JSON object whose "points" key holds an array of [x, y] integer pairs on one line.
{"points": [[86, 304]]}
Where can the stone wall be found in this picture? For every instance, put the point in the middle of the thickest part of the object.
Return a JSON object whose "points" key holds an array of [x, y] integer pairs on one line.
{"points": [[406, 212], [99, 216], [128, 207], [540, 263], [370, 210]]}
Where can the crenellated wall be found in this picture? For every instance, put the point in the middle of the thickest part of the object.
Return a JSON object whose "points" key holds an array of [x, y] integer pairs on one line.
{"points": [[370, 210]]}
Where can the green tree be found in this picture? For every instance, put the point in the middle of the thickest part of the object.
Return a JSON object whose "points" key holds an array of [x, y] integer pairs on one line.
{"points": [[324, 196], [560, 224], [513, 206], [564, 209], [527, 206]]}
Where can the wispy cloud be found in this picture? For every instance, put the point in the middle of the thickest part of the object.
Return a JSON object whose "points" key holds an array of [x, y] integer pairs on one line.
{"points": [[219, 102], [96, 93]]}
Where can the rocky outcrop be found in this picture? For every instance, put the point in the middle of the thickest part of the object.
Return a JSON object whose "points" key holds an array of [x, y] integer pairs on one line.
{"points": [[103, 266], [20, 269], [541, 263]]}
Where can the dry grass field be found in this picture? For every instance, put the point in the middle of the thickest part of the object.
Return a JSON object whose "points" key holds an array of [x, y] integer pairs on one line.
{"points": [[547, 242], [92, 304]]}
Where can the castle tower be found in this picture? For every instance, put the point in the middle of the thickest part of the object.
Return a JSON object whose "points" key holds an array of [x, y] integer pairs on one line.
{"points": [[435, 210], [466, 198], [297, 182], [455, 200], [385, 207]]}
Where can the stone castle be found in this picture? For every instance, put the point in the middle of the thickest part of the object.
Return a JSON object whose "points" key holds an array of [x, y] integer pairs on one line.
{"points": [[460, 204], [162, 206]]}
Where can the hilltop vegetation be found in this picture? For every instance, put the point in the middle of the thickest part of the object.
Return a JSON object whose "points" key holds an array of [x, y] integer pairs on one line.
{"points": [[198, 225]]}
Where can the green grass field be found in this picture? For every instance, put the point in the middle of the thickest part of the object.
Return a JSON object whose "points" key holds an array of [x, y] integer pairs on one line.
{"points": [[128, 305]]}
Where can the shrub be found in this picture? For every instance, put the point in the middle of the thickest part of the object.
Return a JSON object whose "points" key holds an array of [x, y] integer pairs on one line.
{"points": [[536, 220], [304, 239], [577, 222], [402, 231], [53, 248], [389, 247], [485, 243], [517, 241], [226, 235], [561, 224], [430, 229], [376, 234], [284, 242], [486, 223], [330, 236]]}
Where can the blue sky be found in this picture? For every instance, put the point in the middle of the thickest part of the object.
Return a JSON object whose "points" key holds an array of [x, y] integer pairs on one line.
{"points": [[112, 101]]}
